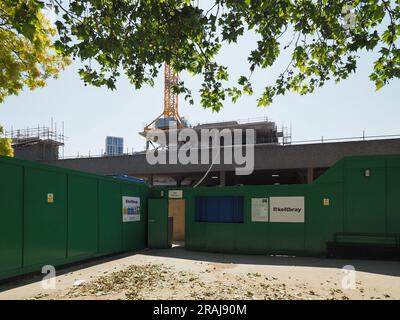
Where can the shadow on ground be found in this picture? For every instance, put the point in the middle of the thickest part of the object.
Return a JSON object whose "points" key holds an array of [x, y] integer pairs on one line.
{"points": [[391, 268]]}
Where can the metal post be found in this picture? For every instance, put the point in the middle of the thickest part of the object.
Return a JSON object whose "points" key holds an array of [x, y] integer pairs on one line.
{"points": [[310, 175], [63, 138], [222, 178]]}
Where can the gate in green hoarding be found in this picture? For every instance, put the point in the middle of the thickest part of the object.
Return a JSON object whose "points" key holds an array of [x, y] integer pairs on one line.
{"points": [[158, 224]]}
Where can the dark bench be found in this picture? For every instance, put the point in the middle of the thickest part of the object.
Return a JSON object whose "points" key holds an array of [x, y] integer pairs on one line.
{"points": [[364, 245]]}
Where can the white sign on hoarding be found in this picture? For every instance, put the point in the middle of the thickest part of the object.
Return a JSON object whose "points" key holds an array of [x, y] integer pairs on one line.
{"points": [[175, 194], [130, 209], [286, 209], [259, 209]]}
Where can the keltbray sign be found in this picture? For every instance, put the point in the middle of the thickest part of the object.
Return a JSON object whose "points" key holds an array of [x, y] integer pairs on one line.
{"points": [[259, 209], [286, 209], [130, 209]]}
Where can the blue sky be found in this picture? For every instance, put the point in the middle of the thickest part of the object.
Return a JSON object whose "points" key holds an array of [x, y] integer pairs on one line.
{"points": [[90, 114]]}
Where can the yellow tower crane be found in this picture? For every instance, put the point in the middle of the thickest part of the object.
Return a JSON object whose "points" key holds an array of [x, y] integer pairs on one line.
{"points": [[169, 118]]}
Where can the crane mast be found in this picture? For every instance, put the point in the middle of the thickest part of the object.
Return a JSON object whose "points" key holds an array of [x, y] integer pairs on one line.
{"points": [[171, 78], [169, 118]]}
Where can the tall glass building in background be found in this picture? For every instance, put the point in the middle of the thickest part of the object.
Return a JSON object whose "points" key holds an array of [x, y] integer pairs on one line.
{"points": [[114, 146]]}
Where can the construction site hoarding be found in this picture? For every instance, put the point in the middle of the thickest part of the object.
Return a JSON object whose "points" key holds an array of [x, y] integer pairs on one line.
{"points": [[54, 216]]}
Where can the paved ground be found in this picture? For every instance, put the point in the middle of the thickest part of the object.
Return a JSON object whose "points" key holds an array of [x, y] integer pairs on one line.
{"points": [[179, 274]]}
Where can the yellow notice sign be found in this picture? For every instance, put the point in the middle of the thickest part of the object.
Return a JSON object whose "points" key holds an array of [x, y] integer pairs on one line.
{"points": [[326, 202], [50, 198]]}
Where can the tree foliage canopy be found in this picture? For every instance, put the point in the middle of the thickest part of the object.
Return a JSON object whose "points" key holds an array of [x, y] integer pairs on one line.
{"points": [[321, 38], [26, 54], [137, 36], [5, 145]]}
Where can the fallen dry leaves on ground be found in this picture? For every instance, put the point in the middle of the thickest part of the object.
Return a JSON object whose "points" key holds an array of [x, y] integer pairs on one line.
{"points": [[158, 281]]}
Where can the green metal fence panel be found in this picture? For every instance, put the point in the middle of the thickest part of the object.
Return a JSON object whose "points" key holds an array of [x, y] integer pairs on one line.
{"points": [[284, 238], [134, 232], [218, 239], [325, 215], [45, 216], [393, 196], [252, 238], [195, 234], [110, 217], [11, 218], [364, 196], [333, 175], [82, 216]]}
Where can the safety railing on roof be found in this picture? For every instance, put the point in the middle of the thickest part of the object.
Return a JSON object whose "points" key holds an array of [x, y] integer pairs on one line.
{"points": [[296, 142]]}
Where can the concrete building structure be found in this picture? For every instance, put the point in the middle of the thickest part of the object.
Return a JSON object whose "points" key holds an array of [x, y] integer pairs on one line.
{"points": [[274, 163], [37, 144], [277, 160]]}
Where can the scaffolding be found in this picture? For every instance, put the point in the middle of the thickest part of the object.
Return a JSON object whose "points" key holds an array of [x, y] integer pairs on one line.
{"points": [[21, 138]]}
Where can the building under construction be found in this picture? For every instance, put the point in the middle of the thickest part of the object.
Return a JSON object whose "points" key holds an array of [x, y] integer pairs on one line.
{"points": [[39, 144]]}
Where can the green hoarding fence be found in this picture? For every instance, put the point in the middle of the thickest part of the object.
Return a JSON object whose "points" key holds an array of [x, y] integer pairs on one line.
{"points": [[54, 216], [358, 195]]}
